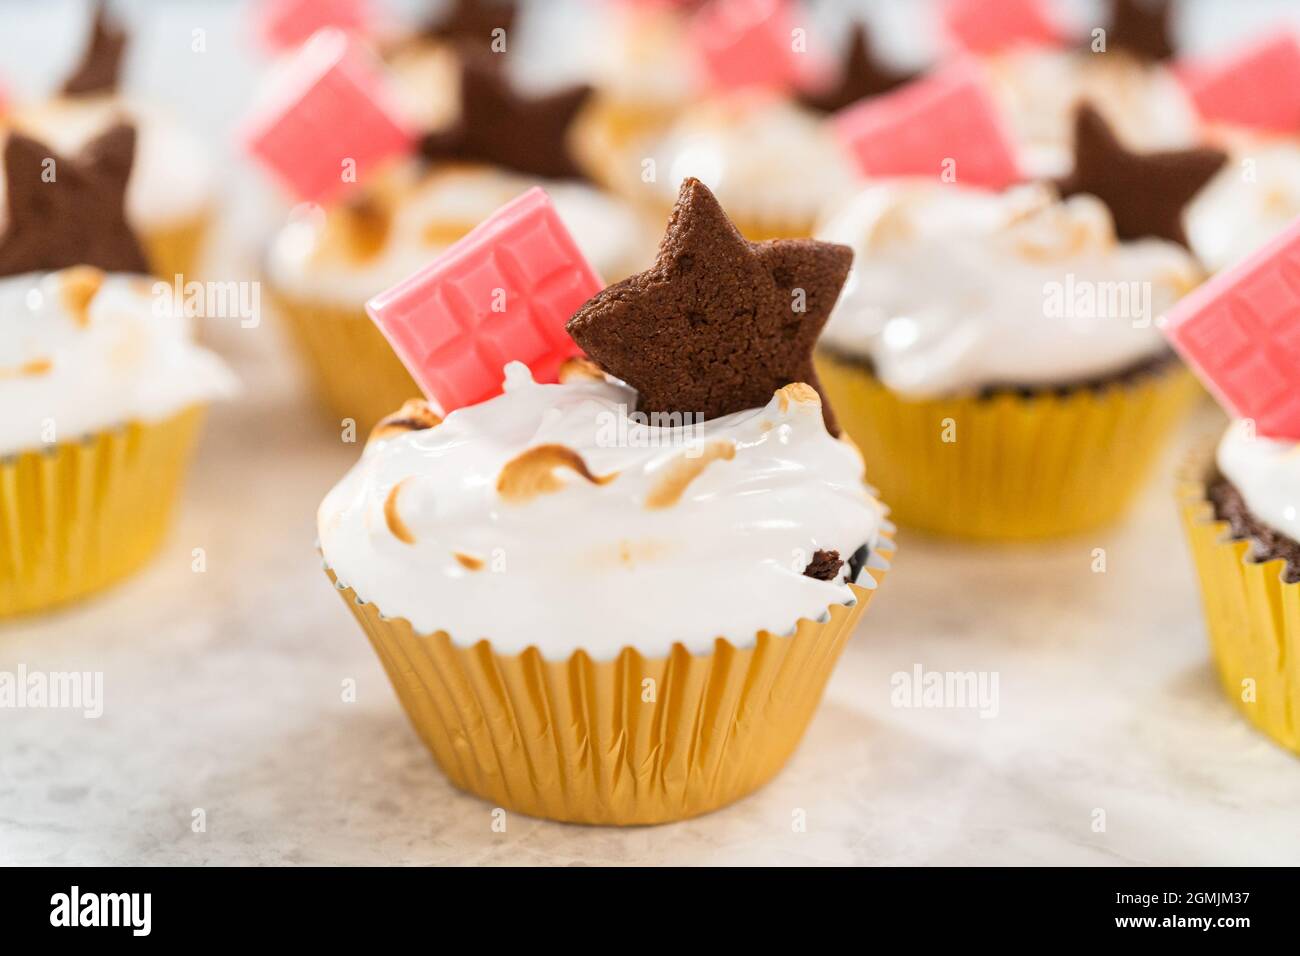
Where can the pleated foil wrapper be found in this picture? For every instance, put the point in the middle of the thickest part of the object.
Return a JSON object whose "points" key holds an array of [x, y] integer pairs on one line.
{"points": [[630, 740], [79, 516], [1252, 615], [1015, 467], [353, 370]]}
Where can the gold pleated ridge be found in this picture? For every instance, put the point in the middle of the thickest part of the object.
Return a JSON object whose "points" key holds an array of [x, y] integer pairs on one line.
{"points": [[78, 516], [353, 370], [176, 248], [1252, 616], [1022, 467], [572, 739]]}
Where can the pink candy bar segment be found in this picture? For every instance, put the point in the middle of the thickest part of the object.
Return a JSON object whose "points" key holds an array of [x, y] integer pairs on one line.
{"points": [[329, 121], [944, 123], [1241, 333], [746, 43], [285, 24], [987, 26], [1257, 86], [501, 294]]}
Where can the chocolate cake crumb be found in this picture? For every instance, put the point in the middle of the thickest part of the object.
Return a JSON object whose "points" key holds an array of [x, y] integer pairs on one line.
{"points": [[1266, 544], [824, 566]]}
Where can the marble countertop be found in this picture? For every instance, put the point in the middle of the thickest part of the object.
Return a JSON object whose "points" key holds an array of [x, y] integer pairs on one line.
{"points": [[223, 689]]}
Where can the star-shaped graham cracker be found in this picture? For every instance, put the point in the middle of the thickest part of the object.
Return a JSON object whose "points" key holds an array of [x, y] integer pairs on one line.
{"points": [[500, 126], [1145, 192], [718, 323], [101, 63], [861, 75], [472, 21], [1140, 27], [69, 212]]}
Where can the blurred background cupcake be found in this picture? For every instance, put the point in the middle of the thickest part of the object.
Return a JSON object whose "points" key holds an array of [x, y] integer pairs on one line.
{"points": [[101, 386], [172, 197], [1040, 66], [996, 356], [330, 257], [1240, 505]]}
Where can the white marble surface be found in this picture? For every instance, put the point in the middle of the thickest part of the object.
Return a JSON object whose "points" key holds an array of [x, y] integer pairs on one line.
{"points": [[223, 689]]}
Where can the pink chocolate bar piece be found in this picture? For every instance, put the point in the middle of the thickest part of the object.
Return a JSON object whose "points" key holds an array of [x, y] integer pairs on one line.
{"points": [[987, 26], [1258, 85], [329, 121], [503, 293], [944, 123], [1241, 333], [746, 43], [285, 24]]}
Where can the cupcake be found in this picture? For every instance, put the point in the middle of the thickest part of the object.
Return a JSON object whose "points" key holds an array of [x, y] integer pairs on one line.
{"points": [[617, 598], [1129, 81], [170, 201], [101, 386], [1240, 515], [642, 75], [773, 163], [996, 356], [324, 264], [1241, 505]]}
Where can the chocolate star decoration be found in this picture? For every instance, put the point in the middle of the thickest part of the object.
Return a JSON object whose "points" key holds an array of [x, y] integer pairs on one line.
{"points": [[1142, 28], [69, 212], [1146, 192], [497, 125], [861, 75], [472, 22], [718, 323], [101, 63]]}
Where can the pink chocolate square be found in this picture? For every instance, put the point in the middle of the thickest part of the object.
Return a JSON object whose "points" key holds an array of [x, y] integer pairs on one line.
{"points": [[747, 43], [330, 119], [284, 24], [943, 124], [503, 293], [1240, 332], [1258, 85], [987, 26]]}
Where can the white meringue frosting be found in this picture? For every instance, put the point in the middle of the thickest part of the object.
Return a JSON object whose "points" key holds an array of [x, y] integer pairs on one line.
{"points": [[1253, 198], [955, 289], [548, 517], [1267, 473], [1039, 90], [312, 256], [764, 158], [81, 352]]}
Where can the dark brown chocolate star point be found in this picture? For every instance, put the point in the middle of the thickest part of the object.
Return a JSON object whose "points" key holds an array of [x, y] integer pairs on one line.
{"points": [[68, 212], [473, 22], [1145, 192], [1141, 27], [498, 125], [101, 64], [718, 323], [861, 75]]}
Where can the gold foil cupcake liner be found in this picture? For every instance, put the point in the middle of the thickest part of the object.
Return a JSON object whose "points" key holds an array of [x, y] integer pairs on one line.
{"points": [[176, 248], [354, 371], [81, 515], [1008, 466], [632, 740], [1252, 616]]}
